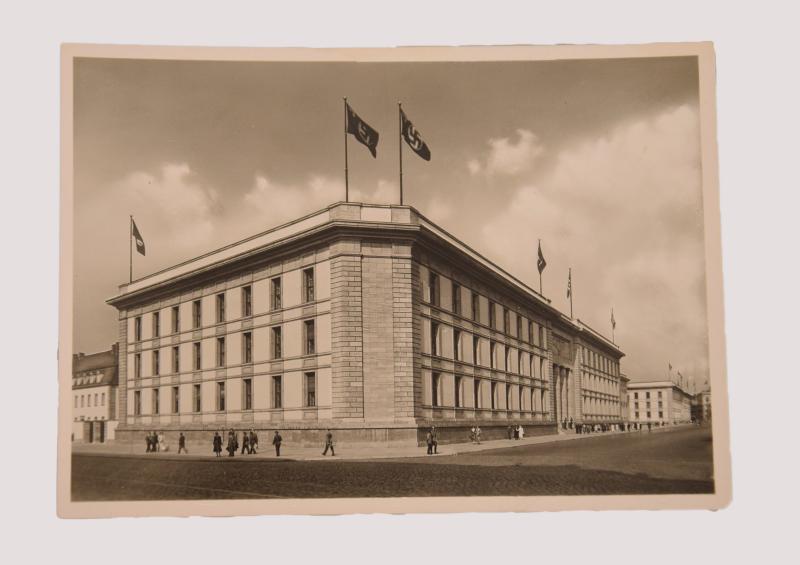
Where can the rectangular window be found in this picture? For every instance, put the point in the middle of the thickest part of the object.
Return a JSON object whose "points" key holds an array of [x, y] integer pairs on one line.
{"points": [[176, 319], [519, 327], [434, 338], [435, 383], [492, 352], [221, 396], [95, 399], [476, 307], [220, 352], [476, 393], [176, 359], [247, 347], [648, 415], [660, 414], [456, 299], [509, 351], [492, 314], [311, 389], [137, 403], [521, 401], [277, 350], [156, 324], [220, 308], [198, 356], [156, 407], [137, 365], [102, 399], [659, 394], [275, 294], [506, 321], [459, 386], [176, 399], [541, 338], [137, 328], [247, 390], [310, 337], [457, 345], [82, 400], [433, 286], [247, 301], [519, 362], [308, 285], [530, 333], [636, 395], [636, 415], [508, 397], [493, 390], [277, 391], [197, 314], [156, 362], [197, 398], [476, 350], [647, 395]]}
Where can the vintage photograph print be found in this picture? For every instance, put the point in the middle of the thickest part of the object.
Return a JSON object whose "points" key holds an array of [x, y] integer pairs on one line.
{"points": [[390, 280]]}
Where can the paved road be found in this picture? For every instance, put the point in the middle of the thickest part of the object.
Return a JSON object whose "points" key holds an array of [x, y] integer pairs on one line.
{"points": [[659, 463]]}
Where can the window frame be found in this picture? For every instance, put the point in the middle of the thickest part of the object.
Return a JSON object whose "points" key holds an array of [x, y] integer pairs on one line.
{"points": [[275, 293], [309, 285], [247, 301], [310, 377]]}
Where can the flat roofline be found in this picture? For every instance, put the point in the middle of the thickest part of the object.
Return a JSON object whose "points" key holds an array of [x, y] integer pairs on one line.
{"points": [[657, 384]]}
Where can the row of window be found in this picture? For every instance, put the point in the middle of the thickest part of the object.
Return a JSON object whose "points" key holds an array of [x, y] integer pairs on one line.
{"points": [[534, 330], [309, 348], [599, 361], [276, 294], [649, 415], [536, 369], [600, 384], [276, 396], [647, 395], [477, 397], [88, 400]]}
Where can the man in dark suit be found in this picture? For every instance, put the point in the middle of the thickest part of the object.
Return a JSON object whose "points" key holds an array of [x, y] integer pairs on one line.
{"points": [[328, 443], [276, 441]]}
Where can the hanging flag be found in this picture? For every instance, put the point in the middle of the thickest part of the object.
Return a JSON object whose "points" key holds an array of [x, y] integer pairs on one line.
{"points": [[569, 284], [613, 321], [413, 137], [362, 131], [541, 263], [137, 237]]}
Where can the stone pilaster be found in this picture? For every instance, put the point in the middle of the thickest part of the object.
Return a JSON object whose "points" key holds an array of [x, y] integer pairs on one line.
{"points": [[347, 330], [378, 332], [407, 365], [122, 368]]}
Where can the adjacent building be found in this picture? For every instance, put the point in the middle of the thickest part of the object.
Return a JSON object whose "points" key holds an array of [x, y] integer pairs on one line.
{"points": [[659, 401], [701, 406], [366, 319], [94, 395]]}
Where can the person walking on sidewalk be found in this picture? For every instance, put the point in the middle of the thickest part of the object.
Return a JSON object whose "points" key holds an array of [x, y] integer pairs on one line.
{"points": [[245, 443], [217, 443], [435, 440], [478, 434], [328, 443], [429, 442], [520, 432], [253, 441], [182, 443], [276, 441], [149, 439]]}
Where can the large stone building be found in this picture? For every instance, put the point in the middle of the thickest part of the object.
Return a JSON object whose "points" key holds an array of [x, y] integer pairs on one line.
{"points": [[367, 319], [701, 406], [659, 401], [94, 392]]}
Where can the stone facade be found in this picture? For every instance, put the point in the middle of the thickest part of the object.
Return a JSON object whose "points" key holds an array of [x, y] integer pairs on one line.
{"points": [[405, 327]]}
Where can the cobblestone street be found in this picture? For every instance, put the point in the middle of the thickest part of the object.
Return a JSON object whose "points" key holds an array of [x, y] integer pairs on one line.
{"points": [[678, 461]]}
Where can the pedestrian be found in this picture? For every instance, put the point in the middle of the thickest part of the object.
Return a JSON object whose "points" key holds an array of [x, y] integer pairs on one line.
{"points": [[478, 434], [231, 449], [571, 423], [472, 434], [182, 443], [276, 441], [649, 426], [328, 443], [516, 432], [253, 441], [217, 443], [148, 439], [429, 442], [435, 439], [521, 432], [157, 439], [245, 443]]}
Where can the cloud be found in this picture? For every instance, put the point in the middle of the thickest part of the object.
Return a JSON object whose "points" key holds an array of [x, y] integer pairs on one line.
{"points": [[624, 211], [509, 157]]}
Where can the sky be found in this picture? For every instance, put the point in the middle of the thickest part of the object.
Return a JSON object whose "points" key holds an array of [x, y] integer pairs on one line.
{"points": [[600, 159]]}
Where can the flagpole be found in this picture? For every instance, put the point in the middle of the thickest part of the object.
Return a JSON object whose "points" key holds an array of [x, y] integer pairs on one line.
{"points": [[346, 179], [400, 145], [130, 249], [571, 292], [613, 326]]}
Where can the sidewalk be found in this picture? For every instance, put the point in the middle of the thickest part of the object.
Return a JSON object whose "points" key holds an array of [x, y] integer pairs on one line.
{"points": [[346, 453]]}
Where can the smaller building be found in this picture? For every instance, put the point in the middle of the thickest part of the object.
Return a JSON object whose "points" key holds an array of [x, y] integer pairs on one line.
{"points": [[94, 395], [701, 406], [659, 402]]}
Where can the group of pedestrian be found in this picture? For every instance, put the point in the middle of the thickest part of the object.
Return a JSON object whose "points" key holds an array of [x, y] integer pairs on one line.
{"points": [[475, 434], [155, 442], [249, 443], [516, 432], [432, 440]]}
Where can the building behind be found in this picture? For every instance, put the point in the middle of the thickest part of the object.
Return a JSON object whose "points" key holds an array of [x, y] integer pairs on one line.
{"points": [[659, 402], [701, 406], [367, 319], [94, 395]]}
